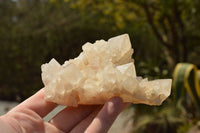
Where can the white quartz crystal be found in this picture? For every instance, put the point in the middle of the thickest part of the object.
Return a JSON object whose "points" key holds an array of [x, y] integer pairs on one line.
{"points": [[103, 70]]}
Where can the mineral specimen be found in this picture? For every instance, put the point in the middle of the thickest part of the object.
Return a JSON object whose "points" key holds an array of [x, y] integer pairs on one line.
{"points": [[103, 70]]}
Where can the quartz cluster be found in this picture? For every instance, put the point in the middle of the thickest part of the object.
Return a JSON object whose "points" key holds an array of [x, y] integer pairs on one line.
{"points": [[102, 70]]}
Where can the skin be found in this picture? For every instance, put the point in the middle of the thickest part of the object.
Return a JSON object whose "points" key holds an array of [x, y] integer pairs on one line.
{"points": [[27, 117]]}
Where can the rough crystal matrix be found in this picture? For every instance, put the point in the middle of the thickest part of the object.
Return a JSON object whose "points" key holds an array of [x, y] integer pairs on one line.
{"points": [[103, 70]]}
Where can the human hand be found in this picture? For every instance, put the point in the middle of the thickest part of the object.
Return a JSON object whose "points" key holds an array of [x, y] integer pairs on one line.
{"points": [[27, 117]]}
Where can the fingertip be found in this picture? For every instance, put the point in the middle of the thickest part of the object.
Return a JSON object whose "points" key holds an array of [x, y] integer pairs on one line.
{"points": [[114, 105], [116, 100]]}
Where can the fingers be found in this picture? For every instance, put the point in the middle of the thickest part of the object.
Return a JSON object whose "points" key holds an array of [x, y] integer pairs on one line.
{"points": [[71, 116], [104, 119], [6, 127], [81, 127], [78, 119], [48, 128], [37, 104]]}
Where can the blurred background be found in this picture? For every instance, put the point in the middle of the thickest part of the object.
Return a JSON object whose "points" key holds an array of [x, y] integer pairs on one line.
{"points": [[163, 34]]}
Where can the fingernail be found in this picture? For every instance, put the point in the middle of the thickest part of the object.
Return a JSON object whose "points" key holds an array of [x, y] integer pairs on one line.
{"points": [[115, 105]]}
